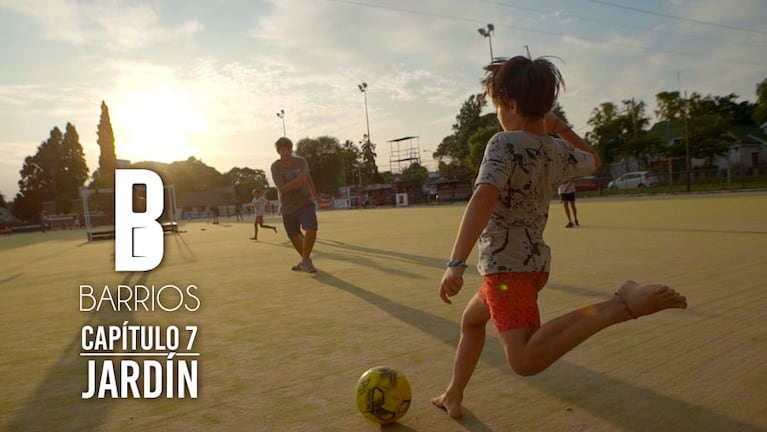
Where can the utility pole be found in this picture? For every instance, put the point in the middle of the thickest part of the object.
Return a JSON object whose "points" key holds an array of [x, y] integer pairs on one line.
{"points": [[687, 139]]}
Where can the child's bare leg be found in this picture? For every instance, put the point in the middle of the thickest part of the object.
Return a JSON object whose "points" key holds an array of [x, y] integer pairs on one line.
{"points": [[567, 212], [530, 351], [473, 323], [574, 210]]}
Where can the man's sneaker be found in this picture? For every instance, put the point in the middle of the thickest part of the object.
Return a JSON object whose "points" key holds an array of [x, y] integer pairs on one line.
{"points": [[569, 225], [576, 223], [298, 267], [308, 267]]}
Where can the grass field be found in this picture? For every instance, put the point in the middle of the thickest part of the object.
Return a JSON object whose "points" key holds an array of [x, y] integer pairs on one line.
{"points": [[282, 350]]}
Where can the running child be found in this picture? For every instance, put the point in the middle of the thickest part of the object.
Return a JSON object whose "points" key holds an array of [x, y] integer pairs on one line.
{"points": [[259, 204]]}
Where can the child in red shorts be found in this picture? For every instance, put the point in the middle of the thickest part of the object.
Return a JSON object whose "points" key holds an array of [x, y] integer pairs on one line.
{"points": [[259, 204], [506, 216]]}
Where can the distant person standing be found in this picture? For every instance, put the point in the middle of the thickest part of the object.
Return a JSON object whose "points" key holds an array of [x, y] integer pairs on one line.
{"points": [[238, 211], [259, 204], [567, 198], [297, 202], [215, 213], [43, 220]]}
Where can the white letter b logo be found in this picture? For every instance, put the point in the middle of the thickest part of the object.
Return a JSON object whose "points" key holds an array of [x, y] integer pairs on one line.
{"points": [[138, 236]]}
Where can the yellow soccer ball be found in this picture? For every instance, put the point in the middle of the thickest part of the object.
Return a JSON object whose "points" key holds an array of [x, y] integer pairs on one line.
{"points": [[383, 395]]}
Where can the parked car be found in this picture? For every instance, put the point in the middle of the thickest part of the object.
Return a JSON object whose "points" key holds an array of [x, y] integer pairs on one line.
{"points": [[588, 183], [634, 180]]}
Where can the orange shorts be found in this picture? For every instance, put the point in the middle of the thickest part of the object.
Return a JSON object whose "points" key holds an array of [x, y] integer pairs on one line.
{"points": [[259, 220], [513, 299]]}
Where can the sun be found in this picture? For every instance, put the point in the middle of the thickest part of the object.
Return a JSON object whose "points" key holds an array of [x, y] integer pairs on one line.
{"points": [[155, 126]]}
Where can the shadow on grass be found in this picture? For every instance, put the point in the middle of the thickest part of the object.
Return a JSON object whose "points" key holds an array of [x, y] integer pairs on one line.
{"points": [[370, 258], [56, 404], [397, 255], [10, 278], [186, 252], [576, 385]]}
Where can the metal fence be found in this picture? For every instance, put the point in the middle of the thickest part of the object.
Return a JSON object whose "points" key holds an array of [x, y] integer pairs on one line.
{"points": [[700, 179]]}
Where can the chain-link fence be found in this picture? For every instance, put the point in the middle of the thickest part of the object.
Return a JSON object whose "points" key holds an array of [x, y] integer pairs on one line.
{"points": [[700, 179]]}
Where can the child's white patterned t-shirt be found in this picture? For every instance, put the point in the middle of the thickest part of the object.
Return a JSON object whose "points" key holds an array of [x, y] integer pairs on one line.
{"points": [[526, 168]]}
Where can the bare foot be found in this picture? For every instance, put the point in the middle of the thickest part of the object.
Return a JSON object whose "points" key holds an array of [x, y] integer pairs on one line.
{"points": [[643, 300], [451, 405]]}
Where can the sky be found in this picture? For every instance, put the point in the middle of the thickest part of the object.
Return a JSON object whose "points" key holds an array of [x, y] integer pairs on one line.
{"points": [[206, 78]]}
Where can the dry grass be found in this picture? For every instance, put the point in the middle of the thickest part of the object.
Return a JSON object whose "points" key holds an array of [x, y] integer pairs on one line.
{"points": [[281, 351]]}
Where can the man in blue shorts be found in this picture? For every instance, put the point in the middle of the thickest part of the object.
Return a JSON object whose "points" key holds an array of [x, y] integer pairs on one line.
{"points": [[297, 202]]}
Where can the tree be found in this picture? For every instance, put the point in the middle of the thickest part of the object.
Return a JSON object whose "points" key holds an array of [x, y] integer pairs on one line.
{"points": [[639, 144], [351, 157], [104, 176], [709, 120], [733, 113], [323, 155], [55, 173], [670, 106], [607, 133], [368, 164], [454, 152], [477, 143], [456, 146], [245, 180], [760, 110], [73, 170], [415, 173], [621, 133], [191, 175]]}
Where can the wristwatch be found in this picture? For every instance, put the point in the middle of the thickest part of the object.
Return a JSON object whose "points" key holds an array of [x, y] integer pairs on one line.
{"points": [[456, 263]]}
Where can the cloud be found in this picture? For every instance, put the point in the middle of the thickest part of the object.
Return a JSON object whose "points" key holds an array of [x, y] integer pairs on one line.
{"points": [[111, 26]]}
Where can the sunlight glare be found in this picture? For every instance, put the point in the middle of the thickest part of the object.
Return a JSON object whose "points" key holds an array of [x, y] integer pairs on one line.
{"points": [[154, 126]]}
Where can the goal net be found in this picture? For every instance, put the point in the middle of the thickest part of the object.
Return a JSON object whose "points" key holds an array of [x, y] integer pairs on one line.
{"points": [[99, 208]]}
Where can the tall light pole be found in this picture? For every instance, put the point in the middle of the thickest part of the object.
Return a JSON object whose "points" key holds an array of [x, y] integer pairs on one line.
{"points": [[364, 89], [281, 114], [488, 33]]}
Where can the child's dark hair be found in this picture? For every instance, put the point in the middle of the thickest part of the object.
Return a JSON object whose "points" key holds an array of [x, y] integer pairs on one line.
{"points": [[283, 142], [533, 84]]}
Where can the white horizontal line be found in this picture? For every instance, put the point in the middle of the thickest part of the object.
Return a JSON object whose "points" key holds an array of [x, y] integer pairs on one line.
{"points": [[137, 354]]}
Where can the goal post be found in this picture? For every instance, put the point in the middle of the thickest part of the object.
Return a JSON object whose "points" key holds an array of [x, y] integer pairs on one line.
{"points": [[98, 210]]}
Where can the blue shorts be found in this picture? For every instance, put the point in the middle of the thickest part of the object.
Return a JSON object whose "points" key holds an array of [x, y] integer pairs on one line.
{"points": [[305, 217]]}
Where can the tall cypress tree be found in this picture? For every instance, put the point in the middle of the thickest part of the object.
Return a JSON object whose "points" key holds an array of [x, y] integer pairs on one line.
{"points": [[107, 157]]}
